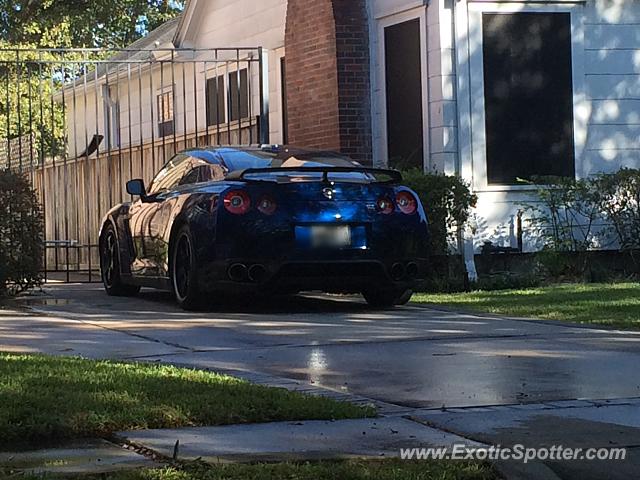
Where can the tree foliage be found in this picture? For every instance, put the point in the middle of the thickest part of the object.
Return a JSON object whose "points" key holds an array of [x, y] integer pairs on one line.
{"points": [[619, 200], [82, 23], [21, 227], [29, 114]]}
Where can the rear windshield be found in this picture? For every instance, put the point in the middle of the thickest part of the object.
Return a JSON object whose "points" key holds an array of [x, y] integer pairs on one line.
{"points": [[291, 159]]}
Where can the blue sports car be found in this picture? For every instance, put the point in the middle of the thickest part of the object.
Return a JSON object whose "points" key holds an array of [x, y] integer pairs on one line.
{"points": [[220, 221]]}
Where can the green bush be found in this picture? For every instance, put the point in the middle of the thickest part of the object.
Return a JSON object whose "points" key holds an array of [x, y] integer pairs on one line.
{"points": [[21, 228], [447, 201], [565, 213], [619, 200]]}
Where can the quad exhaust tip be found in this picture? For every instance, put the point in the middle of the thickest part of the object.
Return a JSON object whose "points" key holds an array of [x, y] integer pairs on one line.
{"points": [[397, 271], [412, 270], [238, 272], [257, 273]]}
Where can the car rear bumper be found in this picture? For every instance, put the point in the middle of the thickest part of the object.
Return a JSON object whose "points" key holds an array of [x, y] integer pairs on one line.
{"points": [[294, 275]]}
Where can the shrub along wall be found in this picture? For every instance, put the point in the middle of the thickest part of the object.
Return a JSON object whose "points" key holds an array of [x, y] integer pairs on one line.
{"points": [[576, 218], [447, 201], [567, 215], [21, 227]]}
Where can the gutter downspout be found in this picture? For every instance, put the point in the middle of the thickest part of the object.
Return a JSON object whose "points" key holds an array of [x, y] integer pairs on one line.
{"points": [[465, 242]]}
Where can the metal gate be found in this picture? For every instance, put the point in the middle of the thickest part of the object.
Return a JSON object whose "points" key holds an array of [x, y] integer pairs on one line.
{"points": [[81, 122]]}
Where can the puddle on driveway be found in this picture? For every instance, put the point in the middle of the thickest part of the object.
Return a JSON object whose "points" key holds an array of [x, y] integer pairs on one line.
{"points": [[48, 302], [95, 456]]}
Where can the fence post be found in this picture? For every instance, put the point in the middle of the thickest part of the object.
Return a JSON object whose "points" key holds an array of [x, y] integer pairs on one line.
{"points": [[264, 96]]}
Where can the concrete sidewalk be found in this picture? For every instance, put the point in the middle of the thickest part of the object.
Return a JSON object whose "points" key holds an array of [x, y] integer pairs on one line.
{"points": [[376, 437]]}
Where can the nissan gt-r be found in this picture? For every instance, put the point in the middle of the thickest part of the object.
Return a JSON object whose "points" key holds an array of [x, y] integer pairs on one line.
{"points": [[266, 220]]}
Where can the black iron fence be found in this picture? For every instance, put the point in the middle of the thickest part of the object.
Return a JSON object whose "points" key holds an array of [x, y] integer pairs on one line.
{"points": [[81, 122]]}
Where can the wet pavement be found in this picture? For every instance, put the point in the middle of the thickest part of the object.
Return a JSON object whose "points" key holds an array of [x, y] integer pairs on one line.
{"points": [[499, 380], [577, 425], [377, 437], [93, 456], [411, 356]]}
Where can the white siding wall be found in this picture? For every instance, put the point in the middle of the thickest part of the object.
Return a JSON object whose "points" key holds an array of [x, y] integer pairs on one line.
{"points": [[606, 57], [442, 87], [246, 23], [217, 24], [612, 71]]}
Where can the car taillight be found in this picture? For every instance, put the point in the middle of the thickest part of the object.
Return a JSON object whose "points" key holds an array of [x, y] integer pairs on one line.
{"points": [[407, 203], [385, 205], [237, 202], [267, 205]]}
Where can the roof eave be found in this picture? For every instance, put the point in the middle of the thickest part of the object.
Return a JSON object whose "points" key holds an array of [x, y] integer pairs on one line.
{"points": [[184, 23]]}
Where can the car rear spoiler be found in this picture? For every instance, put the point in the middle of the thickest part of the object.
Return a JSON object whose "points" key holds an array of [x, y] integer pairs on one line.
{"points": [[240, 175]]}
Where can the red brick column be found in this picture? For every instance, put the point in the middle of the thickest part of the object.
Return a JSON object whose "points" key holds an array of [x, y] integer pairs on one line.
{"points": [[327, 56]]}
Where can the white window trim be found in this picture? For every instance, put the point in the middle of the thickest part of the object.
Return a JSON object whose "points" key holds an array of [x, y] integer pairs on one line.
{"points": [[380, 118], [112, 118], [389, 12], [472, 135], [279, 99]]}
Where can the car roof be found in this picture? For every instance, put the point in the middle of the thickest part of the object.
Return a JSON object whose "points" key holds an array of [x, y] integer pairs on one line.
{"points": [[245, 157]]}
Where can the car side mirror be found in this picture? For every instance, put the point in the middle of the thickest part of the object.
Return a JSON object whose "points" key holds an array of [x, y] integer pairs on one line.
{"points": [[136, 187]]}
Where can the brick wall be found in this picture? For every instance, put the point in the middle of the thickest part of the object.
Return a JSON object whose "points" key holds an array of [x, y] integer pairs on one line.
{"points": [[327, 56]]}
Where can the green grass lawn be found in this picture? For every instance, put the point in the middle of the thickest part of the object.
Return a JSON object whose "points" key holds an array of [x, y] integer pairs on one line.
{"points": [[344, 470], [44, 400], [616, 305]]}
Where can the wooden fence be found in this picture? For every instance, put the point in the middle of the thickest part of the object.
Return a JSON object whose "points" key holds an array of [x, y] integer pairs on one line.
{"points": [[76, 194]]}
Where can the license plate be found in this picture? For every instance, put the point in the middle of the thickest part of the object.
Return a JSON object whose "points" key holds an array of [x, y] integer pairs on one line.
{"points": [[332, 236]]}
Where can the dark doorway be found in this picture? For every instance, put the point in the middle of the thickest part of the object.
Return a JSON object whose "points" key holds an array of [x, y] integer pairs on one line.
{"points": [[528, 96], [404, 94], [285, 113]]}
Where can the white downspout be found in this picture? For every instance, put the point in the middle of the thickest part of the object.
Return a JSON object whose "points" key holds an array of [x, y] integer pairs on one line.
{"points": [[464, 235]]}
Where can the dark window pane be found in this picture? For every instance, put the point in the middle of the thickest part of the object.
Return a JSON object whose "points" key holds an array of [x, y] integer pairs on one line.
{"points": [[171, 174], [215, 101], [165, 129], [404, 94], [238, 98], [165, 114], [528, 96]]}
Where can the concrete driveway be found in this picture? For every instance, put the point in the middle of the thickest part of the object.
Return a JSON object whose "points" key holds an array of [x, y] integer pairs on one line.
{"points": [[412, 356], [502, 381]]}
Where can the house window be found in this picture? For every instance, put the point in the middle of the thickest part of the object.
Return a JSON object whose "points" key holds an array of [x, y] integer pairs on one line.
{"points": [[404, 94], [215, 101], [238, 95], [165, 114], [528, 96]]}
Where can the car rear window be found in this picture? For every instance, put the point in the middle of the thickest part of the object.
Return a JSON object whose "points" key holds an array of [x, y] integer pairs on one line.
{"points": [[291, 159]]}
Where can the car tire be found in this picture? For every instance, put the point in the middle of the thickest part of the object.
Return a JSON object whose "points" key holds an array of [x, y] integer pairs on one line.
{"points": [[184, 282], [381, 298], [110, 266]]}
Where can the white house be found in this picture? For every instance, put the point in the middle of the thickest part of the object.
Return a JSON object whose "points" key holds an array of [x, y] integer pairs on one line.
{"points": [[490, 90]]}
